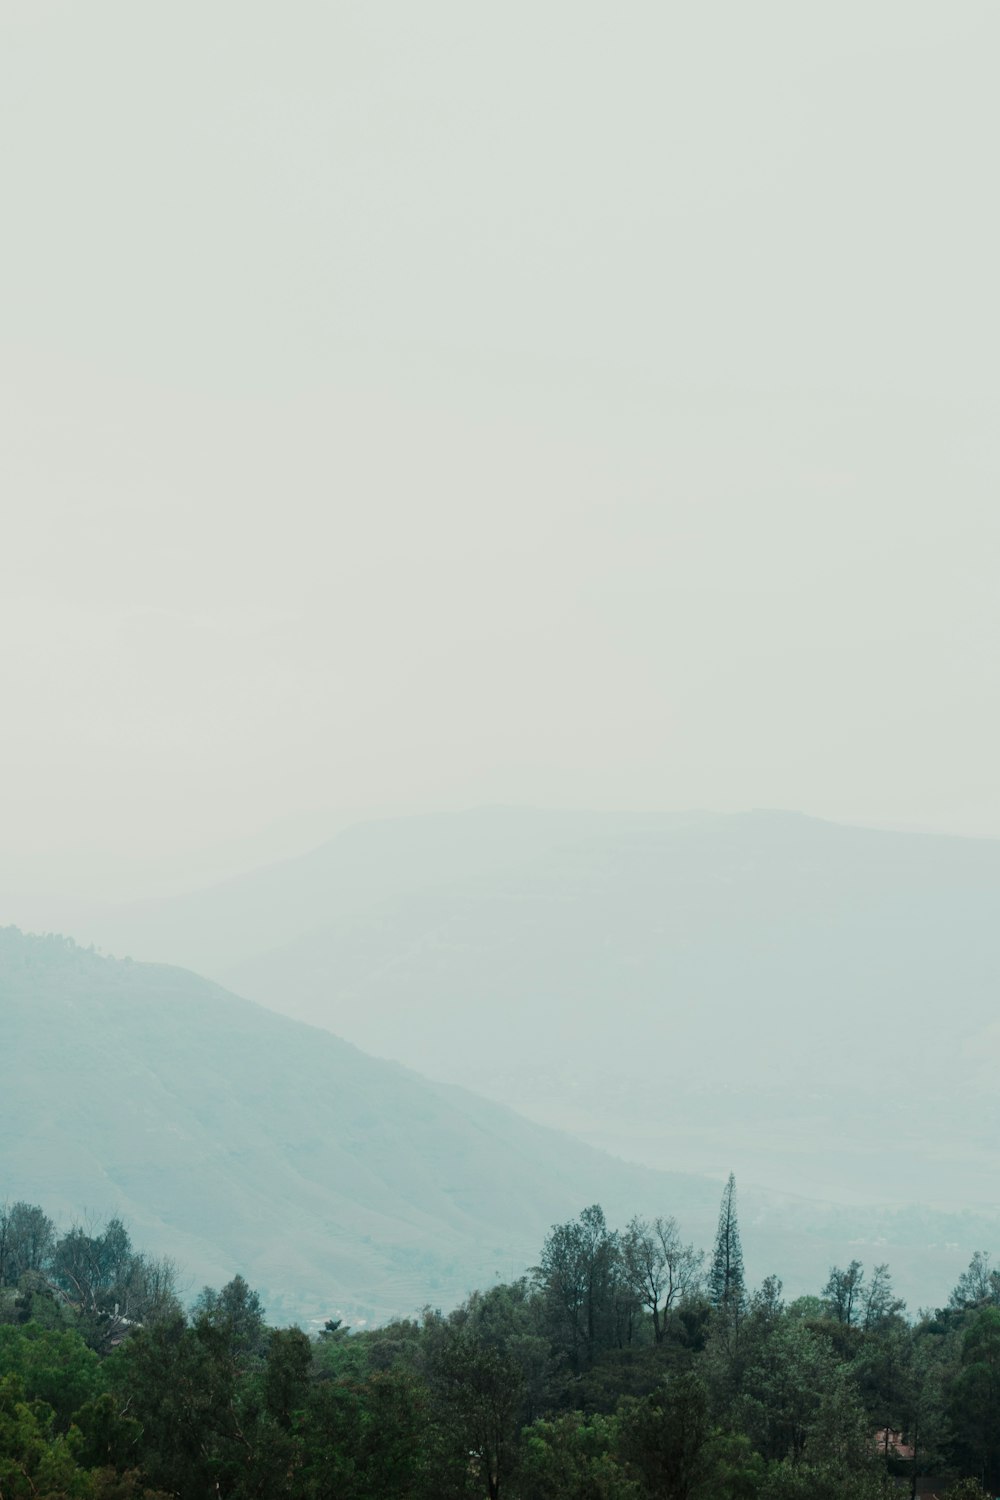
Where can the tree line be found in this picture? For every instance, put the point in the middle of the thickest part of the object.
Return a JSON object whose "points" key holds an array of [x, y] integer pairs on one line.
{"points": [[625, 1366]]}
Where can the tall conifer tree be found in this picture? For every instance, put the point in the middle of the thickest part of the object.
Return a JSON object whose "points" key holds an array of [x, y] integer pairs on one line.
{"points": [[726, 1286]]}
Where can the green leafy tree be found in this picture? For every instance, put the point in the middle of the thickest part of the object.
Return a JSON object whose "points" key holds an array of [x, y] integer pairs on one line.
{"points": [[287, 1372], [978, 1285], [480, 1398], [109, 1285], [110, 1439], [38, 1301], [735, 1469], [580, 1276], [27, 1239], [880, 1303], [665, 1438], [823, 1480], [975, 1398], [180, 1385], [36, 1462], [927, 1421], [54, 1365], [377, 1436], [966, 1489], [842, 1293], [661, 1271], [574, 1457], [235, 1315], [783, 1391], [884, 1372], [510, 1319]]}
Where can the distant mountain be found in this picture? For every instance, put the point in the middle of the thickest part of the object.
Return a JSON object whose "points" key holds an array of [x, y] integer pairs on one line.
{"points": [[216, 928], [811, 1003]]}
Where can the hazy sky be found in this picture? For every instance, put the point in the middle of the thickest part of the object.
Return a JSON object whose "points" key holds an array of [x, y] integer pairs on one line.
{"points": [[408, 405]]}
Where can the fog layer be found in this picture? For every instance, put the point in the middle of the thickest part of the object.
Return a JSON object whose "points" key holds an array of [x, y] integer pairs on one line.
{"points": [[418, 406]]}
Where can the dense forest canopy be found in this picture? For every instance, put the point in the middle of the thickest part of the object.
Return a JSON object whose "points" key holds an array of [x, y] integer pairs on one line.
{"points": [[628, 1365]]}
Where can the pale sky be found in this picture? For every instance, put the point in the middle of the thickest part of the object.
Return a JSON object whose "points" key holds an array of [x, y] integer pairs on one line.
{"points": [[408, 406]]}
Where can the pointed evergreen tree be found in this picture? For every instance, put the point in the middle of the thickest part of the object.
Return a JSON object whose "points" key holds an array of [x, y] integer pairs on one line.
{"points": [[726, 1286]]}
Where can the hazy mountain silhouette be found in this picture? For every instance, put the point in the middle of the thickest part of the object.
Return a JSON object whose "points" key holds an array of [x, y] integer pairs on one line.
{"points": [[764, 990], [239, 1140]]}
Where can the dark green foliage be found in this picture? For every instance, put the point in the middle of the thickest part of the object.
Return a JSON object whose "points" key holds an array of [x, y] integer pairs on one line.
{"points": [[479, 1390], [90, 1278], [53, 1365], [726, 1283], [27, 1237], [286, 1380], [233, 1322], [975, 1397], [843, 1292], [966, 1489], [665, 1437], [110, 1439], [106, 1283], [880, 1303], [605, 1376], [573, 1457], [375, 1436], [978, 1285], [590, 1303], [35, 1458]]}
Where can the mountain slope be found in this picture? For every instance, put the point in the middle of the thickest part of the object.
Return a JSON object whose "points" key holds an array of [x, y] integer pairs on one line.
{"points": [[237, 1139]]}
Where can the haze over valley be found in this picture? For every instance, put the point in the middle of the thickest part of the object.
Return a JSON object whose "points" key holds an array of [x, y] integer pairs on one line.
{"points": [[238, 1141], [764, 990], [499, 727]]}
